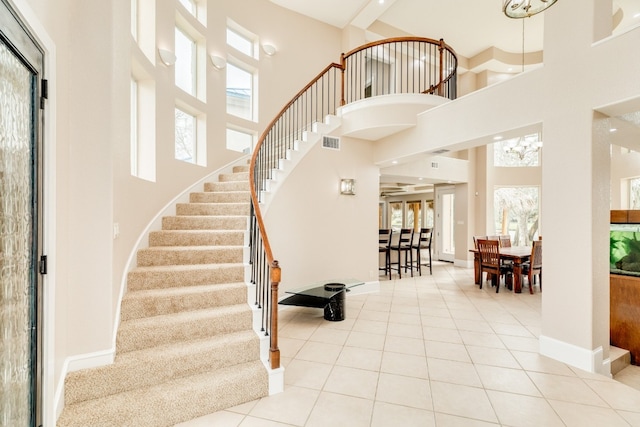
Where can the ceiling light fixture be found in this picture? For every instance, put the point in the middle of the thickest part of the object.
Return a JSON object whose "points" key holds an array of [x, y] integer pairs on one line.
{"points": [[525, 8], [269, 49], [523, 146], [167, 57]]}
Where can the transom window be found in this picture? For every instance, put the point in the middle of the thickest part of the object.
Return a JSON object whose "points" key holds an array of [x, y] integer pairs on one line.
{"points": [[238, 140], [517, 152], [185, 67], [239, 92], [634, 193], [185, 146], [240, 42]]}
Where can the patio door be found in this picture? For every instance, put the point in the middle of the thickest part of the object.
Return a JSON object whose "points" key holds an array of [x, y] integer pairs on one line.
{"points": [[445, 223], [21, 265]]}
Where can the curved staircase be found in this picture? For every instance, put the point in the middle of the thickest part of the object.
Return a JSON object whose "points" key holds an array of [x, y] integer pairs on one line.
{"points": [[185, 345]]}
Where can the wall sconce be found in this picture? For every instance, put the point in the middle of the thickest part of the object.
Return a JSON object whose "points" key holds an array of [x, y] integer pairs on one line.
{"points": [[218, 61], [269, 49], [167, 57], [348, 187]]}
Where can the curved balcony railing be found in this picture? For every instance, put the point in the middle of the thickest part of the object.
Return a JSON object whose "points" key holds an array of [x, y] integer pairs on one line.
{"points": [[391, 66]]}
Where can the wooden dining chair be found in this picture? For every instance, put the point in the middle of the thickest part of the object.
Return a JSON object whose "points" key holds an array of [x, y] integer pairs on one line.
{"points": [[489, 251], [384, 247], [505, 240], [420, 243], [533, 268], [400, 247]]}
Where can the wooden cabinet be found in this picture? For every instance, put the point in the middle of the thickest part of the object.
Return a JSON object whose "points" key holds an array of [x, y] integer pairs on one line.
{"points": [[625, 314]]}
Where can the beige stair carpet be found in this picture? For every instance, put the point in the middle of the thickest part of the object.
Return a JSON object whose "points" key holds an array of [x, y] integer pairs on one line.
{"points": [[185, 345]]}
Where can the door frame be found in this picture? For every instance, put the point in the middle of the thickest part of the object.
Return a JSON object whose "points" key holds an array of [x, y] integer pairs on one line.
{"points": [[439, 191]]}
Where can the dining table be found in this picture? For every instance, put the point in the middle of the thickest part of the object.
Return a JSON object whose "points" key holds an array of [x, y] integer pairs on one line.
{"points": [[516, 254]]}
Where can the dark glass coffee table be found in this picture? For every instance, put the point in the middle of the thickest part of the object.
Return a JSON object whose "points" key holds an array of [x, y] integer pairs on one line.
{"points": [[328, 294]]}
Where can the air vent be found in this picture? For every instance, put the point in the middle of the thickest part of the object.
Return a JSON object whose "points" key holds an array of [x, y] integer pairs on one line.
{"points": [[331, 142], [441, 151], [434, 165]]}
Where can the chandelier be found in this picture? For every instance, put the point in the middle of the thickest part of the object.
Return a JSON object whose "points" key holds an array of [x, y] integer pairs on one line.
{"points": [[525, 8], [523, 146]]}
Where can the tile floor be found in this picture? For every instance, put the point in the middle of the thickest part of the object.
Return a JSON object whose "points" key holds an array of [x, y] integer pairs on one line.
{"points": [[431, 351]]}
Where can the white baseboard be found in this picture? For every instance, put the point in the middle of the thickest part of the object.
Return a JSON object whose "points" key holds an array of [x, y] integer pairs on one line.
{"points": [[464, 263], [581, 358]]}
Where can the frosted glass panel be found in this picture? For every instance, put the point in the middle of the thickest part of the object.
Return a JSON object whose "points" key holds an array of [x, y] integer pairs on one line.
{"points": [[15, 241]]}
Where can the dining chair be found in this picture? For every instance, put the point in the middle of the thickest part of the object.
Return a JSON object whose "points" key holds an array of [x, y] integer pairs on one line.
{"points": [[422, 241], [533, 268], [489, 251], [505, 240], [384, 247], [400, 247], [475, 240]]}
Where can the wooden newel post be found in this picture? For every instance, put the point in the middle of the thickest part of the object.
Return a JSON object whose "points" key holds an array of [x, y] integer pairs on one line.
{"points": [[343, 65], [274, 351], [440, 85]]}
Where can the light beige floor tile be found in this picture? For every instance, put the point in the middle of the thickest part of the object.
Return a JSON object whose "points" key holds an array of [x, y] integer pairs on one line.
{"points": [[298, 331], [255, 422], [401, 390], [370, 326], [446, 420], [492, 356], [632, 418], [289, 347], [466, 314], [576, 415], [378, 316], [340, 411], [377, 306], [617, 395], [567, 389], [404, 364], [319, 352], [508, 380], [438, 322], [405, 319], [454, 372], [343, 325], [404, 330], [443, 335], [221, 418], [629, 376], [524, 411], [329, 336], [473, 325], [448, 351], [463, 401], [352, 382], [387, 414], [365, 340], [244, 408], [404, 345], [481, 339], [537, 363], [360, 358], [291, 407], [302, 373], [516, 330], [521, 343]]}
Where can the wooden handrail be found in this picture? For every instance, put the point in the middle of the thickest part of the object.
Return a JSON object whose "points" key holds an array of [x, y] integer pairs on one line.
{"points": [[287, 130]]}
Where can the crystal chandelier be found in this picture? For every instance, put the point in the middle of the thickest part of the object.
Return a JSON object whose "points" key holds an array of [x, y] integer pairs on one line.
{"points": [[525, 8], [523, 146]]}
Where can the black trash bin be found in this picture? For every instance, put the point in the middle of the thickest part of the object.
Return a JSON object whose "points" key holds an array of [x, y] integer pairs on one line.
{"points": [[335, 308]]}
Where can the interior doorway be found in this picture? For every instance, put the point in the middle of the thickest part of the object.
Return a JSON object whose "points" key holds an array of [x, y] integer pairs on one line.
{"points": [[21, 261], [445, 223]]}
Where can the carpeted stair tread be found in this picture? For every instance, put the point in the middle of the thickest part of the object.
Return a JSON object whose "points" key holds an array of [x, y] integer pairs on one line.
{"points": [[238, 176], [148, 332], [172, 402], [156, 302], [220, 197], [148, 367], [241, 168], [227, 186], [176, 255], [202, 222], [169, 276], [196, 237], [213, 208]]}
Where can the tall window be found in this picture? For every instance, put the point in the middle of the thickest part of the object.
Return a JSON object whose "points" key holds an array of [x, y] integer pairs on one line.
{"points": [[134, 19], [516, 213], [185, 67], [190, 5], [414, 215], [239, 92], [395, 209], [517, 152], [185, 148], [238, 140], [134, 128], [240, 42], [634, 193]]}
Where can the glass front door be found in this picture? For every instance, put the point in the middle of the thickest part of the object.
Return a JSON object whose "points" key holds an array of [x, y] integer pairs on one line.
{"points": [[20, 219]]}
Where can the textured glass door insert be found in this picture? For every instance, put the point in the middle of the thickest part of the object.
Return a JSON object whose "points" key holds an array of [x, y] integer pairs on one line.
{"points": [[20, 67]]}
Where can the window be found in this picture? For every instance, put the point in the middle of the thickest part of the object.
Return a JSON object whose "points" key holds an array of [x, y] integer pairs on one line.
{"points": [[240, 43], [517, 152], [430, 214], [414, 215], [239, 92], [396, 215], [634, 193], [185, 67], [516, 213], [238, 140], [185, 148], [190, 5], [134, 19], [134, 128]]}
